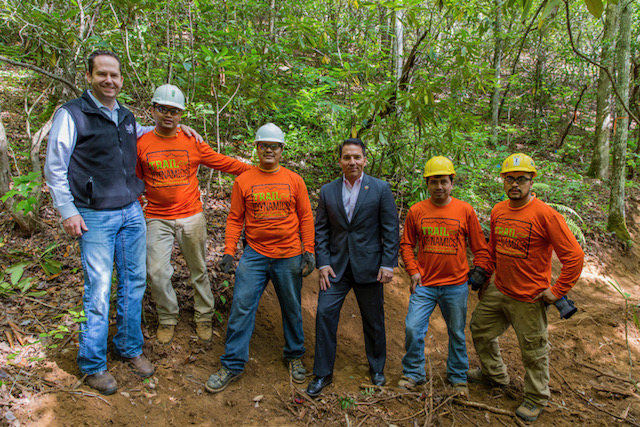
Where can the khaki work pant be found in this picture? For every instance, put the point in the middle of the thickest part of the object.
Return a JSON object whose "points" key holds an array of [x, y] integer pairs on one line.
{"points": [[191, 234], [491, 318]]}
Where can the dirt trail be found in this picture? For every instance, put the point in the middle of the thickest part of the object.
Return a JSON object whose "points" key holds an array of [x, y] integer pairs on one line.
{"points": [[589, 370], [594, 336]]}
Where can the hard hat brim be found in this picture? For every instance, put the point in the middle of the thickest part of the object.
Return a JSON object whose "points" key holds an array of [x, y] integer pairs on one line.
{"points": [[168, 104]]}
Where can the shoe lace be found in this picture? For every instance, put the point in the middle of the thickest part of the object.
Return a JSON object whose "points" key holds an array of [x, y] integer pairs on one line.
{"points": [[529, 405], [223, 373], [296, 365]]}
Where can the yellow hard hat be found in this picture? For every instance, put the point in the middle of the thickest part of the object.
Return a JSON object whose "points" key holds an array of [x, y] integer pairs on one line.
{"points": [[438, 165], [518, 162]]}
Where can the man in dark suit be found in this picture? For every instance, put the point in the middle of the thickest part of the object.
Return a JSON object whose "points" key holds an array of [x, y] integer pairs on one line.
{"points": [[357, 236]]}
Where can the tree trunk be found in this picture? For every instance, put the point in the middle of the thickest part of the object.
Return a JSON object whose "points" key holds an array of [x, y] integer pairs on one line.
{"points": [[27, 223], [599, 167], [399, 46], [539, 96], [634, 105], [617, 222], [272, 25], [5, 177], [497, 61]]}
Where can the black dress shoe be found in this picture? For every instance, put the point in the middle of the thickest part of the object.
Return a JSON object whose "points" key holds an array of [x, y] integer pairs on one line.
{"points": [[317, 384], [378, 379]]}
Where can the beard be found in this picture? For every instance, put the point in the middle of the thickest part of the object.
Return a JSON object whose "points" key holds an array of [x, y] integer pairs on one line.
{"points": [[518, 196]]}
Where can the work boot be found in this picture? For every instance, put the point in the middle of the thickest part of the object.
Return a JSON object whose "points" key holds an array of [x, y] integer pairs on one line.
{"points": [[461, 389], [204, 330], [479, 377], [297, 370], [220, 380], [409, 383], [164, 334], [528, 411], [103, 382], [140, 366]]}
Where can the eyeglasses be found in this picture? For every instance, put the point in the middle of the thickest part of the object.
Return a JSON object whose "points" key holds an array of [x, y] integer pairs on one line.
{"points": [[265, 146], [520, 180], [164, 110]]}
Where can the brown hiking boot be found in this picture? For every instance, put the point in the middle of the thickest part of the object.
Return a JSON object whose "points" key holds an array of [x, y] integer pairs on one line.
{"points": [[461, 389], [140, 366], [103, 382], [164, 334], [408, 383], [204, 330], [479, 377], [528, 411]]}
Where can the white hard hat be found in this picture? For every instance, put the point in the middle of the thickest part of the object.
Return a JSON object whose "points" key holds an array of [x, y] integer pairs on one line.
{"points": [[169, 95], [269, 133]]}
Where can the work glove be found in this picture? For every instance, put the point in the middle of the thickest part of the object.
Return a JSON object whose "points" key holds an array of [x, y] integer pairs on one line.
{"points": [[226, 264], [477, 277], [308, 264]]}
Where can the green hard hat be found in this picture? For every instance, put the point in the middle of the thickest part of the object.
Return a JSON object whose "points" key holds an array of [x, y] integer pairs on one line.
{"points": [[269, 133], [169, 95]]}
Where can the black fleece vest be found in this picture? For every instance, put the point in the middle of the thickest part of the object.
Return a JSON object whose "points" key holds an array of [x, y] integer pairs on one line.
{"points": [[102, 170]]}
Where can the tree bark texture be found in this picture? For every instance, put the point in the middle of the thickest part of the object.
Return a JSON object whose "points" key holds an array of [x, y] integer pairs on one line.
{"points": [[5, 177], [599, 167], [497, 61], [617, 218]]}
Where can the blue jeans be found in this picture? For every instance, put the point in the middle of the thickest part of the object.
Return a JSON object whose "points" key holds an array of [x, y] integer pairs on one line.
{"points": [[252, 276], [114, 235], [453, 305]]}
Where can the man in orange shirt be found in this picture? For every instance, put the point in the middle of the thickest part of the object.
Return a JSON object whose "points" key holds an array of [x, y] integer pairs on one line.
{"points": [[168, 164], [524, 233], [273, 205], [440, 227]]}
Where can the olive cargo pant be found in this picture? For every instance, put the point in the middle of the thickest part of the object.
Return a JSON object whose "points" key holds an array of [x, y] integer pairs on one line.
{"points": [[491, 318], [191, 234]]}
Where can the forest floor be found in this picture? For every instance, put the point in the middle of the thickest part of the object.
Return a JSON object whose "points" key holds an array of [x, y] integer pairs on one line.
{"points": [[590, 357]]}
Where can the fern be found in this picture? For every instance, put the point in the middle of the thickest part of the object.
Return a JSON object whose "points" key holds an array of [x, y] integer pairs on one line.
{"points": [[569, 215]]}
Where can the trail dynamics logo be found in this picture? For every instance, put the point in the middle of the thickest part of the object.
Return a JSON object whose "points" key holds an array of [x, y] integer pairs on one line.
{"points": [[513, 237]]}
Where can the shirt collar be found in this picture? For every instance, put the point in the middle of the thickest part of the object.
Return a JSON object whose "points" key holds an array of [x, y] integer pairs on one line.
{"points": [[100, 105], [346, 182]]}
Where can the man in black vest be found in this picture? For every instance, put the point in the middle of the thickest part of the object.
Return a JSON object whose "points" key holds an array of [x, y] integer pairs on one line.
{"points": [[90, 171]]}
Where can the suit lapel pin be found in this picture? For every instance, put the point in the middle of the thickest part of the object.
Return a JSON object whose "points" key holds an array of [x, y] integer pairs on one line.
{"points": [[366, 187]]}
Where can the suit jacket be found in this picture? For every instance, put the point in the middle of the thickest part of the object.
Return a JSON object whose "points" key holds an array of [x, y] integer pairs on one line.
{"points": [[369, 241]]}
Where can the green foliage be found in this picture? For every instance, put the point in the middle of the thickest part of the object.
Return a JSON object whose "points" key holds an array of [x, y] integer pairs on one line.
{"points": [[368, 392], [61, 331], [569, 215], [24, 187], [324, 71], [347, 402], [18, 281]]}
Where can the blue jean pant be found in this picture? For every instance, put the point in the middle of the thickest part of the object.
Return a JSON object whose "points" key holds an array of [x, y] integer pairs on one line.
{"points": [[114, 235], [452, 301], [252, 276]]}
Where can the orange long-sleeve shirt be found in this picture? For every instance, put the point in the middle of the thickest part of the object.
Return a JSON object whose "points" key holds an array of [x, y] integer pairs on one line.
{"points": [[169, 168], [521, 244], [276, 212], [440, 232]]}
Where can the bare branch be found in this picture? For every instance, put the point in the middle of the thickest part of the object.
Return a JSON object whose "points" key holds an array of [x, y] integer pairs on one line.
{"points": [[72, 86]]}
